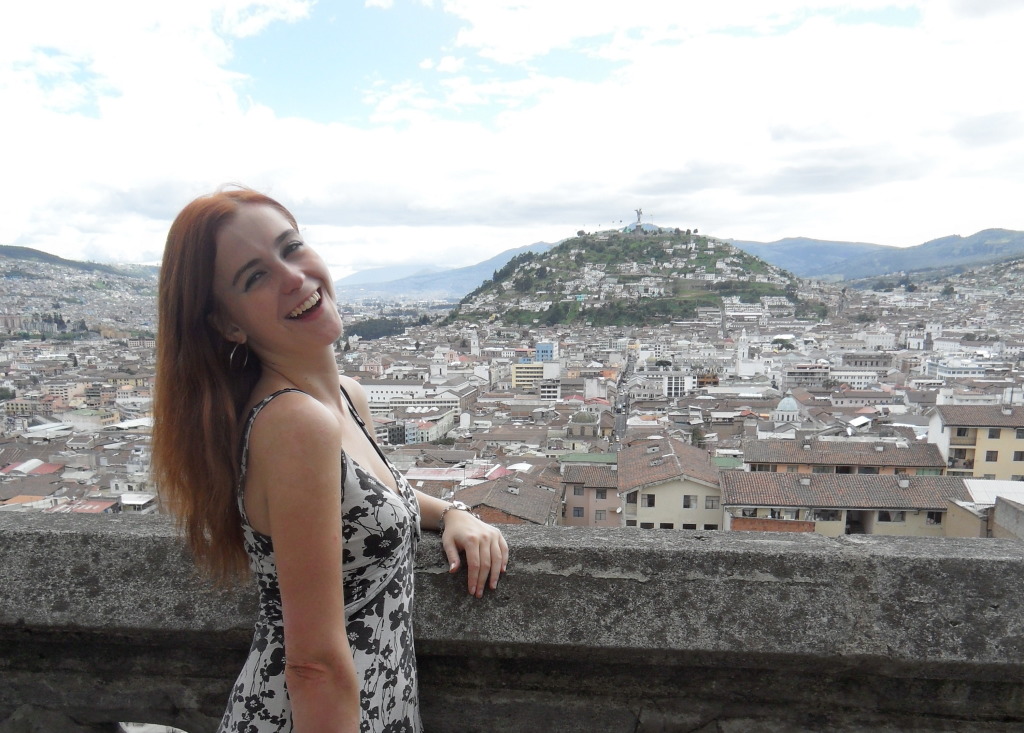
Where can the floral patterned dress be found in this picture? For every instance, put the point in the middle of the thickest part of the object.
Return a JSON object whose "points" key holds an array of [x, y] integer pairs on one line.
{"points": [[380, 528]]}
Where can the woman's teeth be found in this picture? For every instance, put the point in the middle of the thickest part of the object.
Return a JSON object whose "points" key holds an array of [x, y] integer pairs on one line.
{"points": [[306, 305]]}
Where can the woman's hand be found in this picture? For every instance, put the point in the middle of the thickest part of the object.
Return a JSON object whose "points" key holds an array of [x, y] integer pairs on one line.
{"points": [[485, 548]]}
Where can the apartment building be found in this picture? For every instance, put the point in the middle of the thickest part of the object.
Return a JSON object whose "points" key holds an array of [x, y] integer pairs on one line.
{"points": [[834, 505], [980, 441], [804, 375], [530, 374], [665, 483], [591, 496]]}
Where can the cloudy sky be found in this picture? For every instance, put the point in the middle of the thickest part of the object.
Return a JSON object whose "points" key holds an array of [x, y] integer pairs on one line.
{"points": [[446, 131]]}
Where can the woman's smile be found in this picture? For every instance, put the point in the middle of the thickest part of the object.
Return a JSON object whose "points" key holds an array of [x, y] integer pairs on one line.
{"points": [[309, 305]]}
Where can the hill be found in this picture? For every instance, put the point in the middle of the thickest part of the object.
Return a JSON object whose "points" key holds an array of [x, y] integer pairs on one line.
{"points": [[450, 284], [27, 254], [632, 278], [830, 260]]}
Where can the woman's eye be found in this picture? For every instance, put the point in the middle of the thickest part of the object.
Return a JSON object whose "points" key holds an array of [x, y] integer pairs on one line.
{"points": [[253, 279], [291, 247]]}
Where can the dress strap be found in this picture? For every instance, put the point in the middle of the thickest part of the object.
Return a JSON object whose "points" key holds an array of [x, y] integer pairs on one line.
{"points": [[352, 408]]}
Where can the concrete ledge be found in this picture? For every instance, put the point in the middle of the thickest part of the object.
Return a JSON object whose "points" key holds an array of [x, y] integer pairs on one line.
{"points": [[104, 619]]}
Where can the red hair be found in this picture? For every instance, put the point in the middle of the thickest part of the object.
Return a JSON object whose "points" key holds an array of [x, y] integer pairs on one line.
{"points": [[198, 397]]}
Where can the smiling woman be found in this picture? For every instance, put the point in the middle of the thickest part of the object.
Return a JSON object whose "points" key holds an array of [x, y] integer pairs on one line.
{"points": [[262, 451]]}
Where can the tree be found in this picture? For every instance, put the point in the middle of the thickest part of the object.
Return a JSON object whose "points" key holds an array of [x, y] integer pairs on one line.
{"points": [[949, 291]]}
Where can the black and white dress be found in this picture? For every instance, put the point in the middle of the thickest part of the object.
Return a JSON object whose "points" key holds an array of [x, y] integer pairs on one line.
{"points": [[380, 529]]}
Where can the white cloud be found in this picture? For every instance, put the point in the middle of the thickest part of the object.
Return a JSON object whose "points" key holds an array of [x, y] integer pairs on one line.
{"points": [[746, 119], [450, 64]]}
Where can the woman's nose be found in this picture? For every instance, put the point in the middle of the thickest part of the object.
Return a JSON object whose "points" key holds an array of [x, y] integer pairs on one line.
{"points": [[291, 277]]}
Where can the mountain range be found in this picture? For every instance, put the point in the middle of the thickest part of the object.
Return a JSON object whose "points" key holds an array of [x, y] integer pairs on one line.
{"points": [[804, 257], [827, 260], [426, 284]]}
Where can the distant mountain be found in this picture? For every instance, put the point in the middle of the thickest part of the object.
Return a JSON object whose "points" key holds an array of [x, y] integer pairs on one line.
{"points": [[27, 254], [387, 274], [809, 257], [816, 258], [443, 284]]}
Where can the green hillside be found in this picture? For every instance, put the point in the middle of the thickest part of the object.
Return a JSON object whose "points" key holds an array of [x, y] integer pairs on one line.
{"points": [[630, 278]]}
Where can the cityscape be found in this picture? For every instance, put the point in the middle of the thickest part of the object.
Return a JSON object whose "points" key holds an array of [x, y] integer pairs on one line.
{"points": [[900, 412]]}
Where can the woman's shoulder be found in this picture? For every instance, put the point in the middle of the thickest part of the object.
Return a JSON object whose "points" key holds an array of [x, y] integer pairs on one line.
{"points": [[293, 413]]}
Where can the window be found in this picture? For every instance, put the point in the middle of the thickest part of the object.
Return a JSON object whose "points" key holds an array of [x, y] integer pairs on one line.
{"points": [[602, 493], [892, 516], [689, 501], [868, 469], [689, 526], [792, 468], [826, 515], [577, 511], [961, 432], [599, 515], [710, 502], [933, 518], [1020, 433], [577, 491], [991, 456], [993, 433], [1018, 455], [646, 525], [822, 469], [748, 512], [710, 526], [929, 472], [647, 500], [630, 522], [631, 497], [666, 525]]}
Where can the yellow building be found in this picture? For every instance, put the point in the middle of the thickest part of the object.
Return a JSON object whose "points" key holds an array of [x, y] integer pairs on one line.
{"points": [[980, 441]]}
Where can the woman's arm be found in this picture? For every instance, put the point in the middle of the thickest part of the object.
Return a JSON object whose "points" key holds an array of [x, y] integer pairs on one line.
{"points": [[295, 464], [485, 547]]}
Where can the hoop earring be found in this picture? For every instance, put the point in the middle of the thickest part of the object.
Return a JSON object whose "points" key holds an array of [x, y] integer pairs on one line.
{"points": [[231, 357]]}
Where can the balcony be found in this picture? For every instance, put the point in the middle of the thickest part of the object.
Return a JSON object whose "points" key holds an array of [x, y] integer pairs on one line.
{"points": [[103, 619]]}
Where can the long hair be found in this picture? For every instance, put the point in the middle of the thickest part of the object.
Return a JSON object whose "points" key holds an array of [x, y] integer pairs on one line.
{"points": [[201, 388]]}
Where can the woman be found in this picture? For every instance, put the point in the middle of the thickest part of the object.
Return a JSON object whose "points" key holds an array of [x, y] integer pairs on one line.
{"points": [[263, 452]]}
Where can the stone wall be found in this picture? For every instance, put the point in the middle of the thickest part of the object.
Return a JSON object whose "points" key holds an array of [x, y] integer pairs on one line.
{"points": [[103, 619], [1008, 519]]}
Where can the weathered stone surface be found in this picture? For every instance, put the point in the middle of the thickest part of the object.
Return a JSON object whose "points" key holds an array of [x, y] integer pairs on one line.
{"points": [[104, 619]]}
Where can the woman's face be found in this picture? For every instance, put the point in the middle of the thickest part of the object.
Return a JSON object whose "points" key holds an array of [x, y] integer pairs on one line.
{"points": [[272, 291]]}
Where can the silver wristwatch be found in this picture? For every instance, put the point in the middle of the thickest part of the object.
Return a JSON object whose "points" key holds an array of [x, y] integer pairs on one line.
{"points": [[451, 505]]}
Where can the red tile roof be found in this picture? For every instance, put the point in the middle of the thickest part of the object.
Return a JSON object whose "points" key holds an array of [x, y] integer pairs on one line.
{"points": [[594, 476], [981, 416], [657, 460], [839, 491], [843, 453]]}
